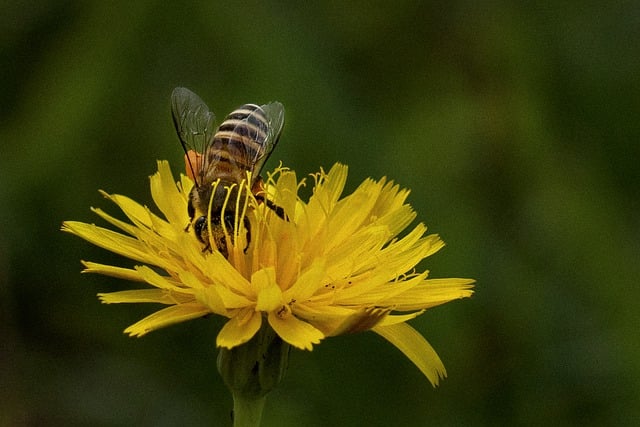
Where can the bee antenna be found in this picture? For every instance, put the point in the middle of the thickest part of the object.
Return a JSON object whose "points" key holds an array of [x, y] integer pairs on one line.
{"points": [[188, 154]]}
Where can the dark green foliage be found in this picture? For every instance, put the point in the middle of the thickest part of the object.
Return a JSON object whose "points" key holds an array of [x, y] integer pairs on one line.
{"points": [[516, 128]]}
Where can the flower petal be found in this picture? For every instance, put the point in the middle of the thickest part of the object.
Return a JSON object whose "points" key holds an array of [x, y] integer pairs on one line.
{"points": [[416, 348], [362, 320], [210, 297], [326, 318], [239, 329], [329, 187], [137, 213], [166, 195], [326, 193], [393, 319], [349, 214], [111, 241], [126, 227], [109, 270], [269, 295], [285, 192], [296, 332], [222, 273], [162, 282], [167, 316], [396, 220], [374, 290], [432, 292], [307, 283], [144, 295]]}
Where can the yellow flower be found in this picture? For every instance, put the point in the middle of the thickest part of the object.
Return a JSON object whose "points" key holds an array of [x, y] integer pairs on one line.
{"points": [[333, 266]]}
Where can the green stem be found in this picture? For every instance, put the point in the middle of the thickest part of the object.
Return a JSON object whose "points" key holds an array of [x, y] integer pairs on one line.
{"points": [[247, 412]]}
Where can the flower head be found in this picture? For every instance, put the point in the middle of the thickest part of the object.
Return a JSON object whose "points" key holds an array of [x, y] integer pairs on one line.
{"points": [[334, 265]]}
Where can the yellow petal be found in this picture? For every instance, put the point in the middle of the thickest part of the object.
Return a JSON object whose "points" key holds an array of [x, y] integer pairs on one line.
{"points": [[144, 295], [137, 213], [396, 220], [362, 320], [210, 297], [403, 255], [349, 214], [166, 195], [239, 329], [109, 270], [416, 348], [330, 187], [222, 273], [296, 332], [325, 195], [269, 295], [233, 300], [186, 184], [357, 252], [432, 292], [391, 198], [111, 241], [393, 319], [326, 318], [307, 283], [124, 226], [285, 192], [167, 316], [374, 290], [165, 233], [146, 225], [162, 282]]}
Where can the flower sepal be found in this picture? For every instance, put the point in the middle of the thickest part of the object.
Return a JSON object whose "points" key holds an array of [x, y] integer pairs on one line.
{"points": [[257, 366]]}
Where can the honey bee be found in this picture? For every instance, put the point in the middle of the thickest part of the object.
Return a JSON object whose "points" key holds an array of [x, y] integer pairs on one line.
{"points": [[241, 144]]}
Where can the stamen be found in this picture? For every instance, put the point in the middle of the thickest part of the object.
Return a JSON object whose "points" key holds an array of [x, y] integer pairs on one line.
{"points": [[222, 212]]}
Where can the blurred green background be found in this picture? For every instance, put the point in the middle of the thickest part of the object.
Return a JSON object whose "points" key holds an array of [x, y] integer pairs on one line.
{"points": [[516, 126]]}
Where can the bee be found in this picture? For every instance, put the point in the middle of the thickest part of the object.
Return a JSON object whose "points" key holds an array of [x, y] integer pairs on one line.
{"points": [[241, 144]]}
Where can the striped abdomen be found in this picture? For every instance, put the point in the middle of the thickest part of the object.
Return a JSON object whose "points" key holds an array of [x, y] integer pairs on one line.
{"points": [[238, 144]]}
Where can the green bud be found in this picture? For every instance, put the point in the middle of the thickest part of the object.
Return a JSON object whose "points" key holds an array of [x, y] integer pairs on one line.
{"points": [[256, 367]]}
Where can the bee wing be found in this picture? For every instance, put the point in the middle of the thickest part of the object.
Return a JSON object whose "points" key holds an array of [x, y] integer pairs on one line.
{"points": [[194, 123], [274, 113], [263, 127]]}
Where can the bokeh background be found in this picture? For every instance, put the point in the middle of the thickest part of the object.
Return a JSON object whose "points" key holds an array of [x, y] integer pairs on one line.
{"points": [[516, 125]]}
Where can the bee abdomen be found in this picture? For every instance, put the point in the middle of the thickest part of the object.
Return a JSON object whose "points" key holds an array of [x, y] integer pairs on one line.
{"points": [[241, 136]]}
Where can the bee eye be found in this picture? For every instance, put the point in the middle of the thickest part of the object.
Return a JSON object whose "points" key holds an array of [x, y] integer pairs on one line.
{"points": [[200, 225]]}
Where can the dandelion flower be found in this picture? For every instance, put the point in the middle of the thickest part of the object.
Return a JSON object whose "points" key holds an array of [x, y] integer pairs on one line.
{"points": [[335, 265]]}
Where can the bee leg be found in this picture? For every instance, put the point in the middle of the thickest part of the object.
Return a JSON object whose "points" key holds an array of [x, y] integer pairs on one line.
{"points": [[247, 226], [191, 211], [279, 210]]}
